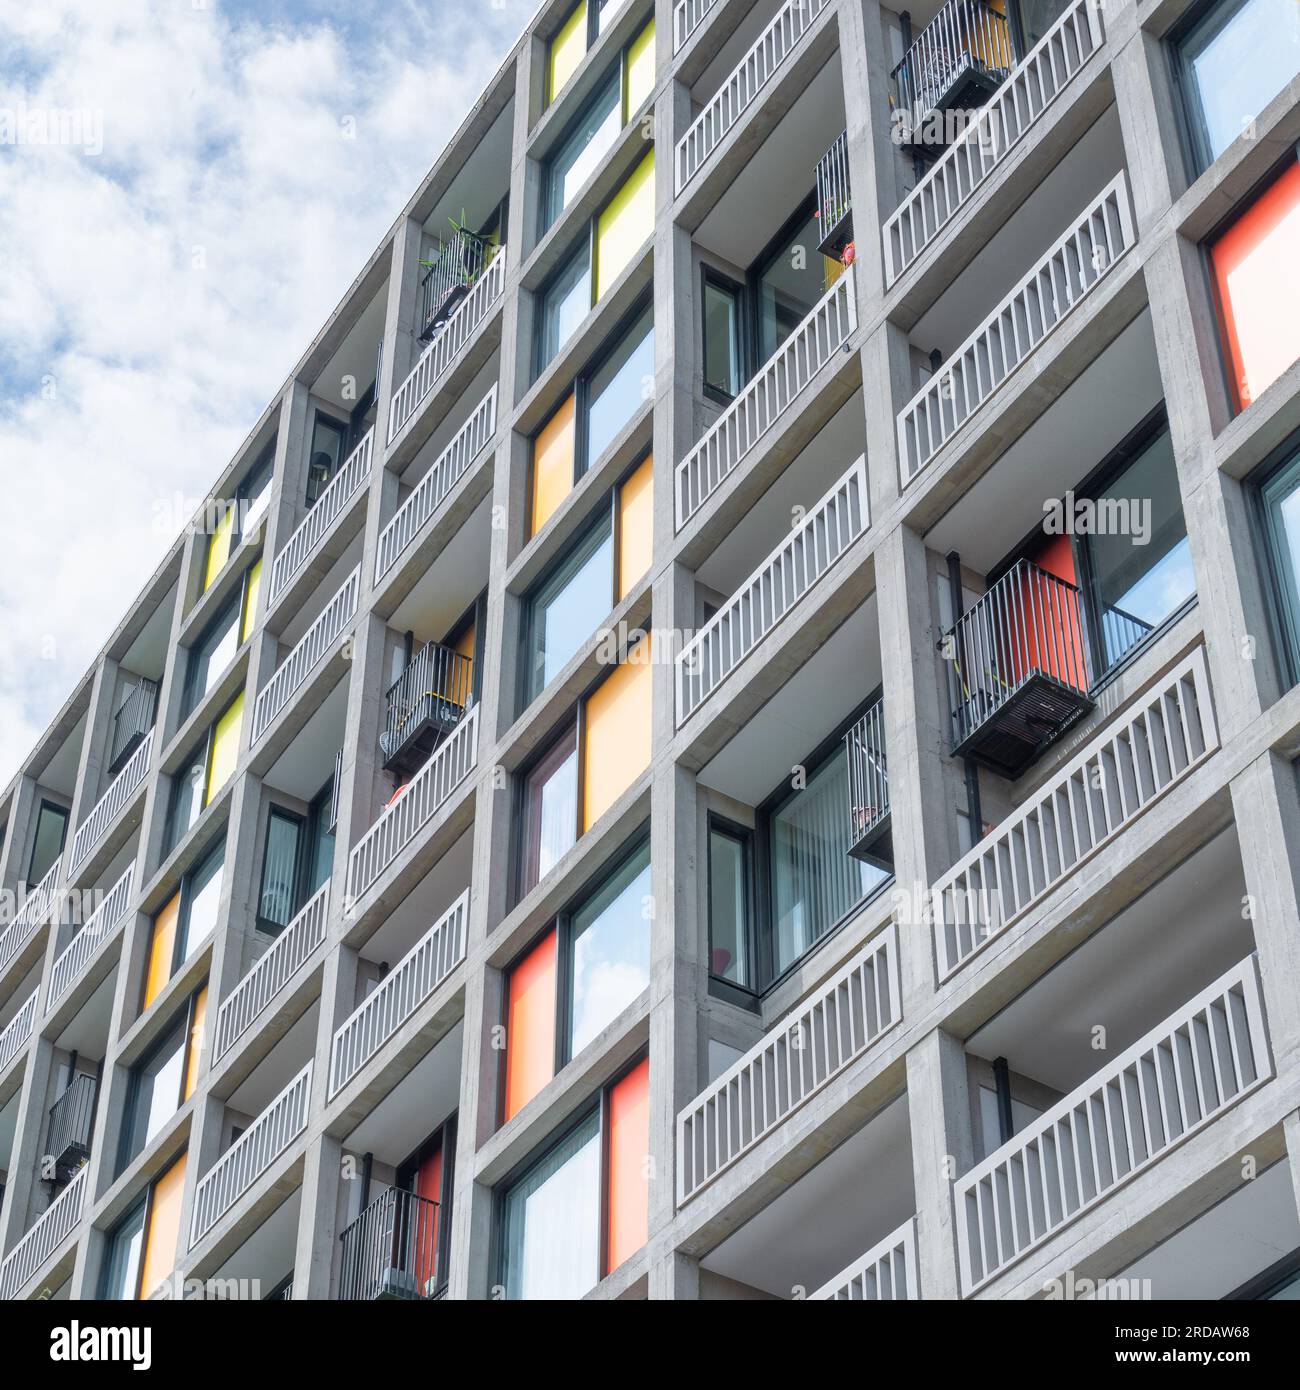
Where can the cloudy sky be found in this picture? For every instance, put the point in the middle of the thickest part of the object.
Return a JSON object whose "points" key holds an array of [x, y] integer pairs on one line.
{"points": [[166, 267]]}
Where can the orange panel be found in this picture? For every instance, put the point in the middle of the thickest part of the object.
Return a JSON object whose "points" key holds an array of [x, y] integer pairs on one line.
{"points": [[635, 526], [552, 464], [164, 1228], [1046, 625], [617, 737], [530, 1025], [629, 1154], [162, 947], [1257, 271], [428, 1184], [464, 644], [195, 1053]]}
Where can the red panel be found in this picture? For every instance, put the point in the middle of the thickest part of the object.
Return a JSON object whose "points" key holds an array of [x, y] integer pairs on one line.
{"points": [[428, 1184], [629, 1161], [530, 1025]]}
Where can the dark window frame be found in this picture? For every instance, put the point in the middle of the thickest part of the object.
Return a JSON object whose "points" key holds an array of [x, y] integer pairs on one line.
{"points": [[185, 894], [182, 1020], [745, 993], [713, 278], [66, 813], [343, 429], [1273, 561]]}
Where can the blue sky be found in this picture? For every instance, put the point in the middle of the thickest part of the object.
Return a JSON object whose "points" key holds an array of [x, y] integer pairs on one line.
{"points": [[168, 263]]}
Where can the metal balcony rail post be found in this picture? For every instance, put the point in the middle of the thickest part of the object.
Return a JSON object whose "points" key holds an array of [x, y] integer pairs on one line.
{"points": [[887, 1271]]}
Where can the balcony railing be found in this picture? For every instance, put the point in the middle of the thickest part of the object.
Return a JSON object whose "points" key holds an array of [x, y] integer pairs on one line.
{"points": [[964, 167], [415, 807], [738, 93], [96, 929], [424, 704], [111, 805], [791, 1064], [315, 644], [864, 748], [834, 198], [1168, 732], [772, 591], [767, 396], [16, 1032], [436, 485], [35, 909], [446, 347], [274, 968], [687, 16], [54, 1225], [1173, 1082], [957, 61], [399, 994], [251, 1155], [133, 720], [328, 507], [391, 1249], [72, 1118], [886, 1271], [454, 272], [1018, 671], [1070, 271]]}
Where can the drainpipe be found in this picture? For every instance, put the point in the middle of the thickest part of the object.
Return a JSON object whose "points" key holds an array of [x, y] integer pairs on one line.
{"points": [[968, 764], [1002, 1084]]}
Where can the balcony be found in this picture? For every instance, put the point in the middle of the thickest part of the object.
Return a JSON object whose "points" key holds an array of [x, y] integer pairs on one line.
{"points": [[795, 1061], [111, 805], [391, 1249], [316, 643], [449, 277], [434, 488], [886, 1271], [415, 806], [687, 16], [1073, 268], [274, 968], [955, 63], [966, 165], [424, 705], [399, 994], [864, 747], [1165, 735], [328, 507], [772, 591], [72, 1118], [77, 954], [769, 394], [1171, 1083], [741, 88], [54, 1225], [438, 357], [834, 199], [133, 720], [248, 1158], [31, 915], [1017, 670], [16, 1032]]}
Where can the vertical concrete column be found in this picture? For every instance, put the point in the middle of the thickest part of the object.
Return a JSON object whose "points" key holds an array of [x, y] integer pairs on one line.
{"points": [[886, 385], [289, 499], [13, 864], [1146, 103], [91, 783], [23, 1186], [400, 327], [938, 1105], [317, 1239]]}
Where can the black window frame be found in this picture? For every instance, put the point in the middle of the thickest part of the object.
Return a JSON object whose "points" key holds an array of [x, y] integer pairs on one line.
{"points": [[312, 826], [185, 904], [744, 993], [343, 429], [183, 1021], [713, 278], [233, 607], [1273, 560], [65, 813]]}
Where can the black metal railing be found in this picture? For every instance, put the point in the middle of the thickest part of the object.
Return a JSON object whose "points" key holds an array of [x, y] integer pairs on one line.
{"points": [[133, 720], [834, 201], [963, 53], [1121, 632], [864, 745], [72, 1119], [426, 702], [1027, 628], [457, 265], [391, 1249]]}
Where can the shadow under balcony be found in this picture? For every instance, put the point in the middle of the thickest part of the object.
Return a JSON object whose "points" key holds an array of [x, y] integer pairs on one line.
{"points": [[424, 705]]}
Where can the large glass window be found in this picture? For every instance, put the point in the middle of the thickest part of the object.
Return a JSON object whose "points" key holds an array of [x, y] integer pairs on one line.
{"points": [[722, 341], [1280, 494], [211, 655], [164, 1080], [121, 1277], [297, 859], [568, 606], [729, 910], [610, 951], [47, 845], [620, 385], [583, 148], [1235, 58], [184, 923], [789, 281], [207, 769], [550, 810], [565, 302], [232, 521], [328, 442]]}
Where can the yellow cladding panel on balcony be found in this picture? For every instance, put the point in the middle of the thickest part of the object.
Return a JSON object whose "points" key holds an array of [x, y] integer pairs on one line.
{"points": [[568, 48], [640, 70], [626, 224]]}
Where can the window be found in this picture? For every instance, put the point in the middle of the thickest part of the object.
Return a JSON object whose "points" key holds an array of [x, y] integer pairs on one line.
{"points": [[184, 923], [235, 520], [625, 224], [592, 137], [729, 904], [583, 1207], [211, 655], [564, 304], [142, 1246], [297, 859], [788, 280], [47, 844], [722, 335], [207, 769], [1280, 496], [550, 810], [165, 1079], [601, 569], [428, 1175], [328, 443], [620, 385], [1256, 268], [1233, 59]]}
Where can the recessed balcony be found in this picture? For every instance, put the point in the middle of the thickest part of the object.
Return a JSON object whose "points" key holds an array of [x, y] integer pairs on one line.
{"points": [[864, 748], [391, 1250], [834, 199], [424, 705], [72, 1118], [449, 276], [133, 720]]}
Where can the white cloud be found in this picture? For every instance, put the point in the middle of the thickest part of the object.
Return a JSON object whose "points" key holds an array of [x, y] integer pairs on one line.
{"points": [[156, 295]]}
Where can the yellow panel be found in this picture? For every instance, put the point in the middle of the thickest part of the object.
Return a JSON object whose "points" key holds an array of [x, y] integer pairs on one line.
{"points": [[251, 591], [464, 644], [552, 465], [626, 224], [197, 1023], [219, 546], [162, 946], [635, 526], [568, 48], [164, 1228], [617, 739], [225, 748], [640, 70]]}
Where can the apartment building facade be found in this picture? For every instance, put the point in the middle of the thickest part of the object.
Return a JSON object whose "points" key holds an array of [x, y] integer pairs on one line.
{"points": [[730, 733]]}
